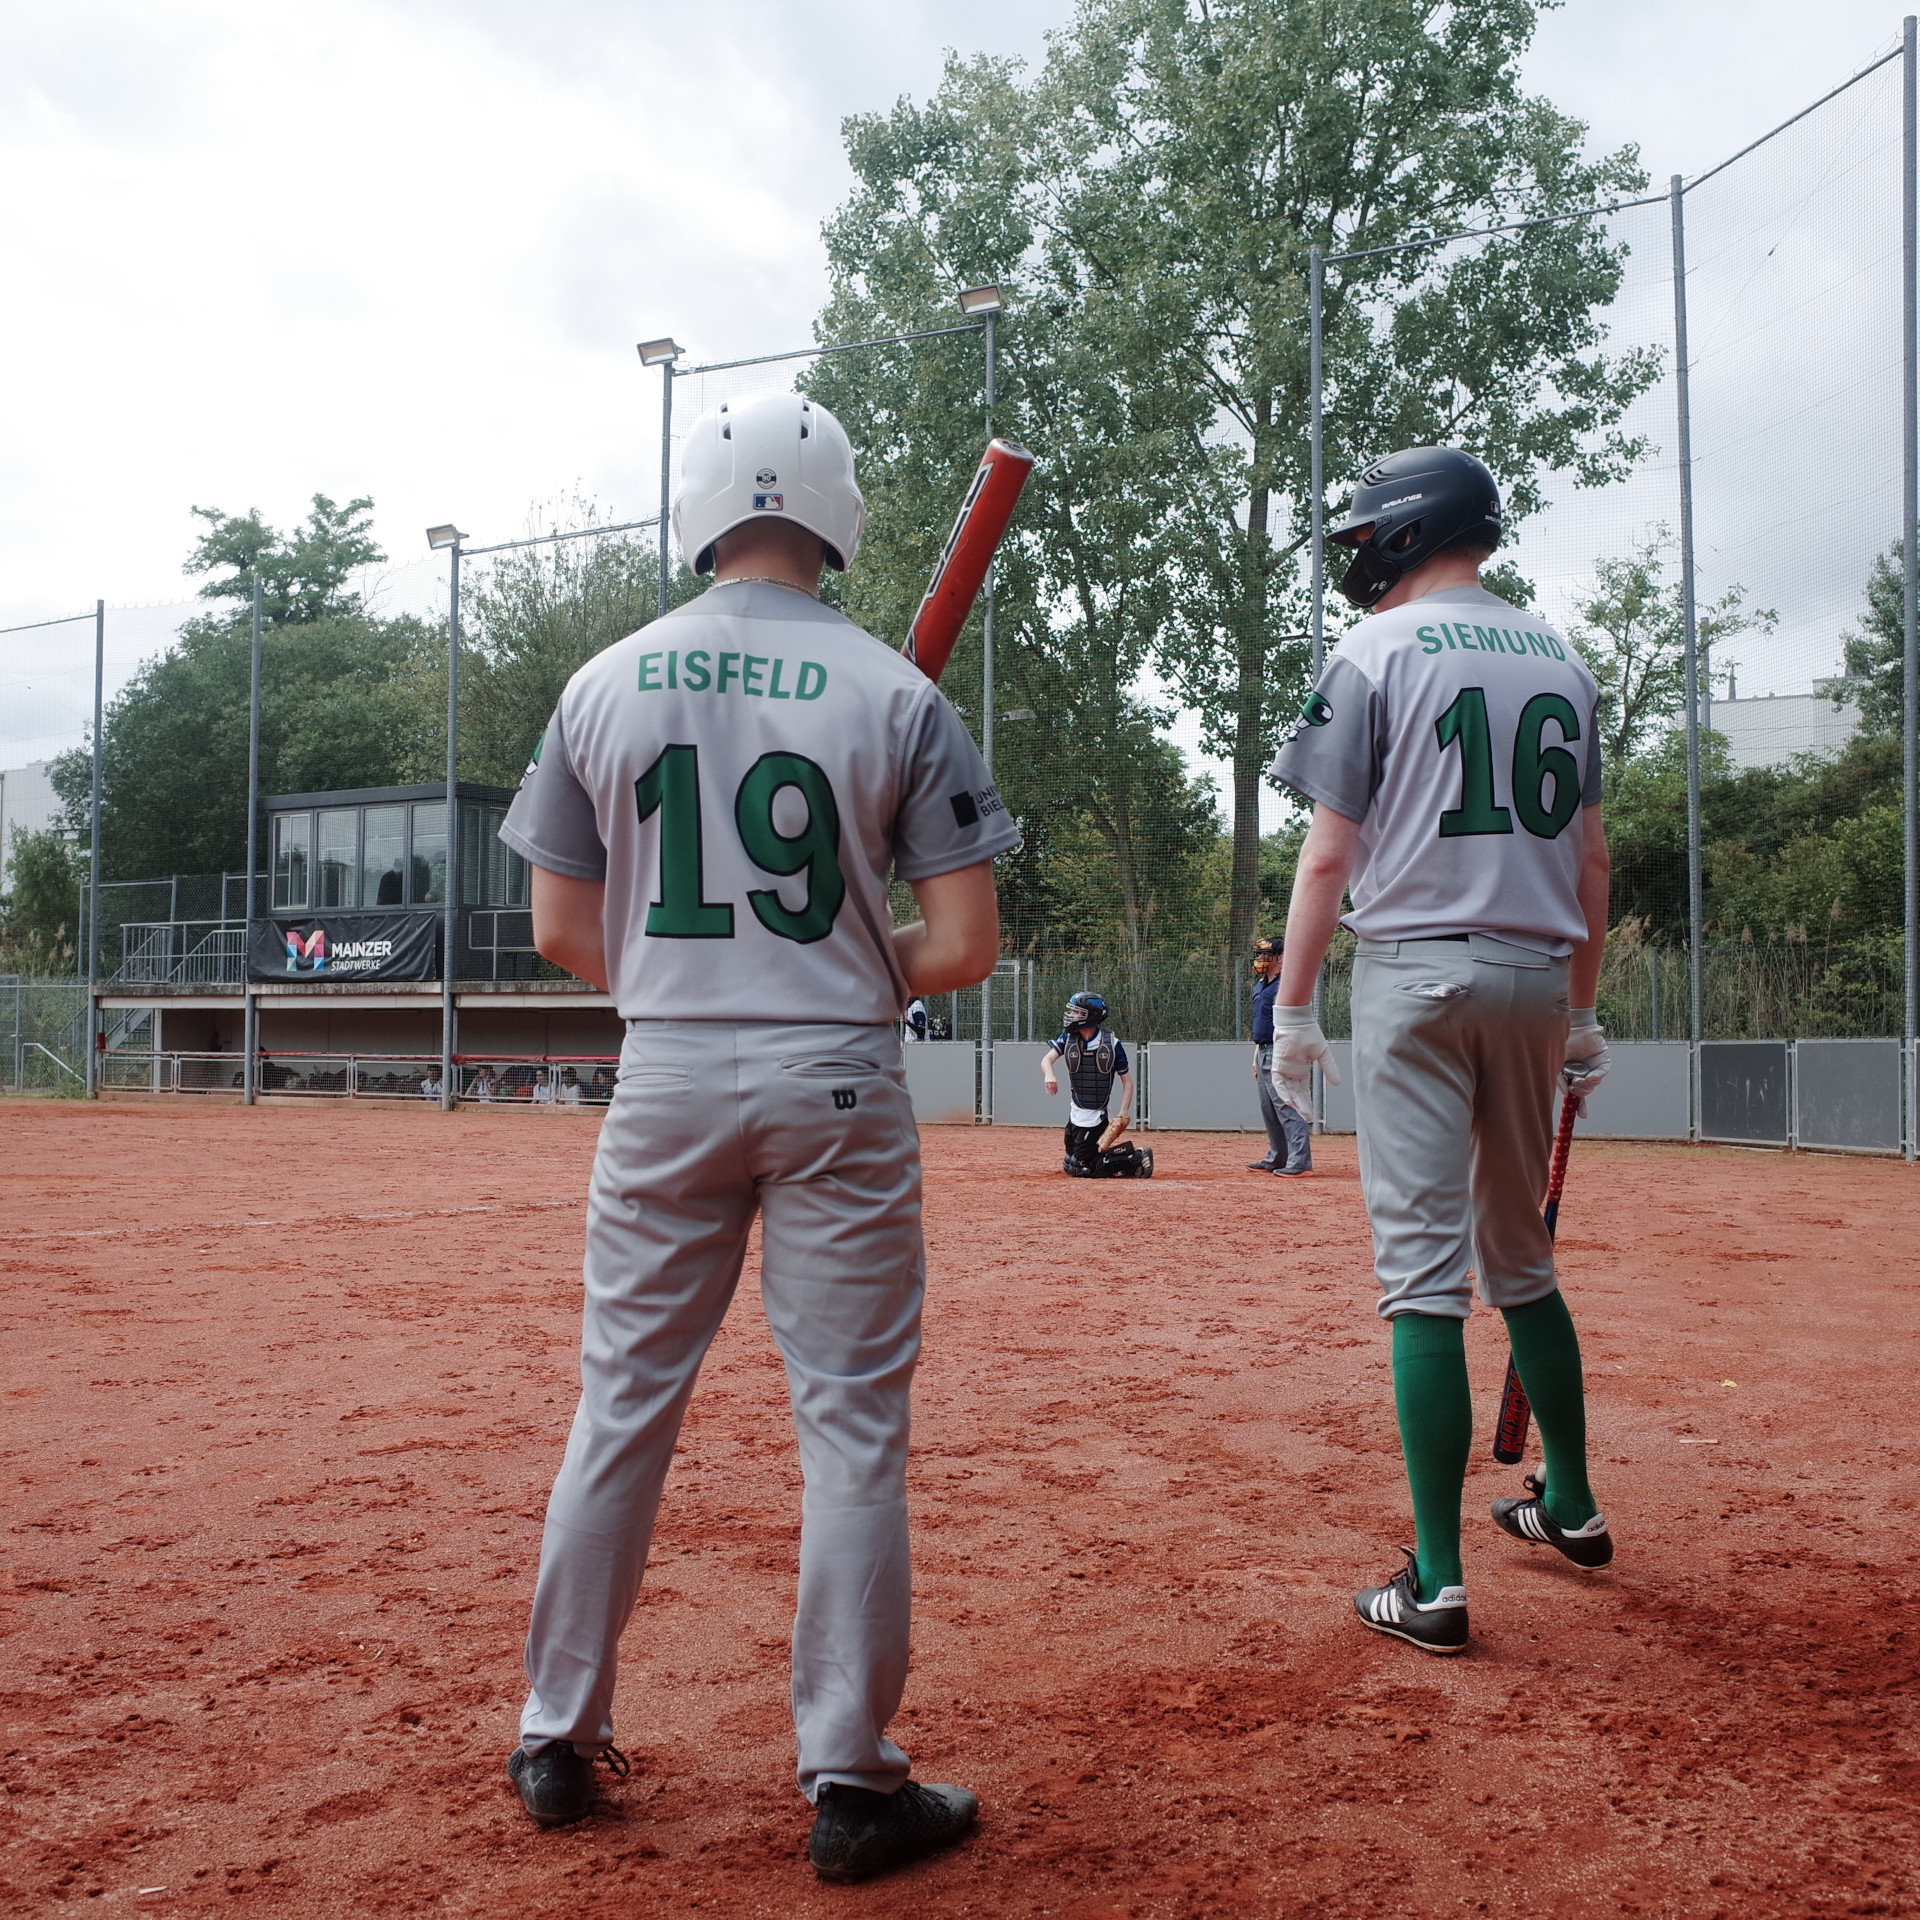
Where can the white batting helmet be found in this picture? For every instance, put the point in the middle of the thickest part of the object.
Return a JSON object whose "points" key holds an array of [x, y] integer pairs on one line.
{"points": [[768, 456]]}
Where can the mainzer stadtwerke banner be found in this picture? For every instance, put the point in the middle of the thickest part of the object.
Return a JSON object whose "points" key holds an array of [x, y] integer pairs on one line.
{"points": [[346, 946]]}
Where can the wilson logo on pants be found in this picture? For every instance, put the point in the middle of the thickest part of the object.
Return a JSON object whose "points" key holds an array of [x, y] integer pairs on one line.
{"points": [[845, 1097]]}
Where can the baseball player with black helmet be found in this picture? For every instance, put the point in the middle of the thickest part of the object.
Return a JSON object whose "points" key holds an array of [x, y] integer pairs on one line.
{"points": [[1289, 1137], [1450, 754], [720, 799], [1094, 1058]]}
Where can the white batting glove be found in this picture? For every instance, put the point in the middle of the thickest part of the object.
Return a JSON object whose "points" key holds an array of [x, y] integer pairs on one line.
{"points": [[1586, 1059], [1298, 1047]]}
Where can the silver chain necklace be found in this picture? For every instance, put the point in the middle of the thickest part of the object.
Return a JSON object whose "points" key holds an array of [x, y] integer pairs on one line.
{"points": [[766, 580]]}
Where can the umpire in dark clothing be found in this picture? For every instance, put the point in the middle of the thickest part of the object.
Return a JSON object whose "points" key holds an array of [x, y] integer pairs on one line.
{"points": [[1289, 1139]]}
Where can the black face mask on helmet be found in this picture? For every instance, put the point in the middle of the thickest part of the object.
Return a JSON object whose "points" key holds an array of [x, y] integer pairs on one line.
{"points": [[1084, 1010], [1412, 506]]}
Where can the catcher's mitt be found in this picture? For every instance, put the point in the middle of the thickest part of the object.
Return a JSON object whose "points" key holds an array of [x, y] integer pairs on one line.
{"points": [[1115, 1128]]}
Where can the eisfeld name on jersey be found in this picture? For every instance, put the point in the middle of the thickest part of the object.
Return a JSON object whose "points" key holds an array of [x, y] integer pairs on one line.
{"points": [[745, 774], [1459, 733]]}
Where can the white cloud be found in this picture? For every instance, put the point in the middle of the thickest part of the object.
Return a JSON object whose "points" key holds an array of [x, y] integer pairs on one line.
{"points": [[404, 247]]}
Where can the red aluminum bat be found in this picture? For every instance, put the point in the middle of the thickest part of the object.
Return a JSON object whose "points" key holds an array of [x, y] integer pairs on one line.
{"points": [[1510, 1433], [968, 554]]}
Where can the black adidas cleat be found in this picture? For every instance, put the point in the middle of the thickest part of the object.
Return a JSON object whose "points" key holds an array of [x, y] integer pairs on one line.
{"points": [[859, 1834], [1434, 1626], [556, 1784], [1528, 1519]]}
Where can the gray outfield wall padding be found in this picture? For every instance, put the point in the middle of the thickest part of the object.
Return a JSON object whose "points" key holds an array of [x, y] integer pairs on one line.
{"points": [[1336, 1103], [1743, 1091], [942, 1078], [1203, 1086], [1020, 1097], [1645, 1095], [1846, 1093]]}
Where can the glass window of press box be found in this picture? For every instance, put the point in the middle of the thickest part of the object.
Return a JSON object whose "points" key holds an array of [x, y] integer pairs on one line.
{"points": [[347, 852]]}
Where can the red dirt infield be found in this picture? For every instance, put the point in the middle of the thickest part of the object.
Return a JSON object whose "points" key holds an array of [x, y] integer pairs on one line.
{"points": [[285, 1389]]}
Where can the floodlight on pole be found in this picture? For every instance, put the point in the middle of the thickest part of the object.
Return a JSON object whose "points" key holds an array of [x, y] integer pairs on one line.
{"points": [[447, 539], [662, 353], [984, 304]]}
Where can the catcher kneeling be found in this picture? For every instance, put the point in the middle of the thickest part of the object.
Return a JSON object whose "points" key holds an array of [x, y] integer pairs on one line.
{"points": [[1094, 1059]]}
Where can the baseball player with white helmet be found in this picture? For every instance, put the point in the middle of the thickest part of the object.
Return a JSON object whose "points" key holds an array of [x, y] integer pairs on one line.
{"points": [[1450, 753], [719, 800]]}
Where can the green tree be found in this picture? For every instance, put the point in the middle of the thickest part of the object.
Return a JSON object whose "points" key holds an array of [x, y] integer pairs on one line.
{"points": [[1875, 651], [1800, 851], [39, 919], [1148, 201], [531, 620], [1631, 631], [303, 574], [347, 699]]}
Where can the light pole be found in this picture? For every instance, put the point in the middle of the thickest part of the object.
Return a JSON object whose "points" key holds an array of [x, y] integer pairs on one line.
{"points": [[984, 304], [448, 537], [662, 354], [250, 1005], [93, 857]]}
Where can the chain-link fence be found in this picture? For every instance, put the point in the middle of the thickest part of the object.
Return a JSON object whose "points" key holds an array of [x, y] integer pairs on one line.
{"points": [[1746, 509], [1793, 295], [43, 1036]]}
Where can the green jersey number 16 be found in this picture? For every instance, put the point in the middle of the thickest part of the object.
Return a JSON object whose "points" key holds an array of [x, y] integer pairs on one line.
{"points": [[1465, 725]]}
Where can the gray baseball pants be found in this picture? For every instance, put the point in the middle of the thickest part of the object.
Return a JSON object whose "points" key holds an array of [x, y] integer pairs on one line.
{"points": [[810, 1126], [1457, 1045], [1289, 1138]]}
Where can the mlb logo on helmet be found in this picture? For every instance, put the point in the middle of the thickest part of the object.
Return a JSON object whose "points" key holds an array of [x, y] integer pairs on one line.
{"points": [[769, 503]]}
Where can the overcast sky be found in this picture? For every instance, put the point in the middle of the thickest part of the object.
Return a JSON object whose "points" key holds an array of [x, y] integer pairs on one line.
{"points": [[404, 247]]}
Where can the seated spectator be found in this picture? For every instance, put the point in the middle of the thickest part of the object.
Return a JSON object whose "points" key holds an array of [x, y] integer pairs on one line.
{"points": [[430, 1086], [543, 1092], [570, 1088]]}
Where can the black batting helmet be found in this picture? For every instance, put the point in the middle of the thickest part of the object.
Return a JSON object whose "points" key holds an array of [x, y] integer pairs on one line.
{"points": [[1084, 1010], [1414, 505]]}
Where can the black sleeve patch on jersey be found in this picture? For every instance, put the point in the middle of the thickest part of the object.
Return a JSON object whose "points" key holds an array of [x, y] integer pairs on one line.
{"points": [[966, 810]]}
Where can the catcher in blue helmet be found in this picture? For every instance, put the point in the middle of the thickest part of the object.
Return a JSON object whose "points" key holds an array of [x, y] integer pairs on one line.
{"points": [[1095, 1058]]}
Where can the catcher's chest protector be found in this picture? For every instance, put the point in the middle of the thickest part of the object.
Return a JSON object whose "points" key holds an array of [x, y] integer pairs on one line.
{"points": [[1090, 1068]]}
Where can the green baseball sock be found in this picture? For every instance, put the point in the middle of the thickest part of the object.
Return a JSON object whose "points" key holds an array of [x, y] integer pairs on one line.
{"points": [[1547, 1352], [1436, 1434]]}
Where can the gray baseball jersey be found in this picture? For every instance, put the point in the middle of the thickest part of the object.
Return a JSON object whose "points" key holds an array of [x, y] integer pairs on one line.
{"points": [[1459, 732], [744, 774]]}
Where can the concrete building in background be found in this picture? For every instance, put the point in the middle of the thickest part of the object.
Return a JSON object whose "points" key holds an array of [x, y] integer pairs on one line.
{"points": [[1770, 730], [27, 801]]}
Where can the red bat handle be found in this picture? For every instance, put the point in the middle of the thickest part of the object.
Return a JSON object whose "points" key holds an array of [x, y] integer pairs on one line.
{"points": [[969, 552], [1510, 1432]]}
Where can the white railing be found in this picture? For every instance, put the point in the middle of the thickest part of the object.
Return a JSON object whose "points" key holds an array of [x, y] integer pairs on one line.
{"points": [[182, 953], [540, 1080]]}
